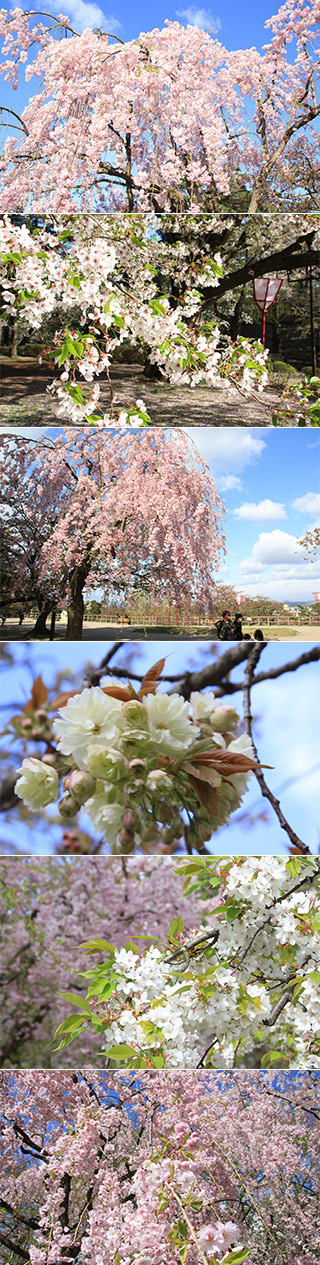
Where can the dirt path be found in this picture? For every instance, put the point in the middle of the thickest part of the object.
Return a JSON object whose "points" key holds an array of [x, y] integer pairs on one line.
{"points": [[24, 400], [118, 632]]}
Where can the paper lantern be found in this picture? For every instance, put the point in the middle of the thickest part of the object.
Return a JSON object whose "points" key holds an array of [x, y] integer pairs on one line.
{"points": [[265, 293]]}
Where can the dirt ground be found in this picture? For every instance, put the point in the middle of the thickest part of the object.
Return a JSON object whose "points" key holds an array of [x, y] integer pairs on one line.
{"points": [[93, 631], [23, 399]]}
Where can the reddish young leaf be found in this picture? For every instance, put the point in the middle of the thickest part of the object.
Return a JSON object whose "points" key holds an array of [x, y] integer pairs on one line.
{"points": [[229, 762], [118, 691], [149, 683], [39, 695], [206, 793]]}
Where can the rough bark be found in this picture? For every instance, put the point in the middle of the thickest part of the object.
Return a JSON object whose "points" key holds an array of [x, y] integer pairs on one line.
{"points": [[77, 581]]}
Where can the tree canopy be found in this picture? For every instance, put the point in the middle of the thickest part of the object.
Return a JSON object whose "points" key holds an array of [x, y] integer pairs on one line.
{"points": [[162, 121], [102, 1167]]}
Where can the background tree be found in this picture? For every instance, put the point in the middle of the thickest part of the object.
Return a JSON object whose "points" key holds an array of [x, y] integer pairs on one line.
{"points": [[47, 908], [110, 506], [311, 540], [86, 139], [111, 1143]]}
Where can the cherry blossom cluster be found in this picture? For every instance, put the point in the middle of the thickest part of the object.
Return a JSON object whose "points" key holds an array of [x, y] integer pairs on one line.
{"points": [[114, 126], [299, 404], [112, 276], [140, 764], [160, 1169], [248, 976], [46, 910]]}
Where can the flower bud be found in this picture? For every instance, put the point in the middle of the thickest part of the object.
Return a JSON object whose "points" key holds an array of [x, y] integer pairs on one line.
{"points": [[224, 719], [67, 806], [169, 816], [81, 785], [130, 819], [158, 780], [136, 786], [124, 836], [125, 842], [49, 758], [137, 764]]}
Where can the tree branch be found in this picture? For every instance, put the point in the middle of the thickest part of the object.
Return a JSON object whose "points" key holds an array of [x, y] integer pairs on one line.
{"points": [[297, 844], [215, 672], [8, 797], [290, 257], [33, 1225], [14, 1247]]}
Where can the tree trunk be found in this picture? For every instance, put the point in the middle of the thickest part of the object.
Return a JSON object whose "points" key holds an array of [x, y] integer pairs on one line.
{"points": [[14, 338], [151, 371], [40, 624], [76, 604], [236, 316]]}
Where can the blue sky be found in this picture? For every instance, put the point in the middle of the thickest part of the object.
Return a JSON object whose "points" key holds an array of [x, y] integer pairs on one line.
{"points": [[237, 26], [269, 481], [286, 714], [270, 484]]}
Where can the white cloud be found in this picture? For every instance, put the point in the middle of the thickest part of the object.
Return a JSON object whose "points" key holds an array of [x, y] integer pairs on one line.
{"points": [[26, 432], [291, 586], [228, 450], [262, 512], [276, 547], [278, 568], [199, 17], [230, 483], [307, 504], [84, 15]]}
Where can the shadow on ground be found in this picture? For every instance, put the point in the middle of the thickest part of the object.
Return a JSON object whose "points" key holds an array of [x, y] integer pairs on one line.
{"points": [[24, 399]]}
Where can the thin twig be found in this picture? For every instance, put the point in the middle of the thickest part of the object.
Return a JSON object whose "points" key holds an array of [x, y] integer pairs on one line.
{"points": [[203, 1258], [296, 842]]}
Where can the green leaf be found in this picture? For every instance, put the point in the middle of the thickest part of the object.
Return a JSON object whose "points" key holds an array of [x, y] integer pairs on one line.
{"points": [[117, 1259], [96, 945], [67, 1040], [129, 944], [74, 1021], [233, 912], [63, 355], [72, 351], [183, 1229], [76, 1001], [118, 320], [237, 1255], [176, 925], [120, 1052]]}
